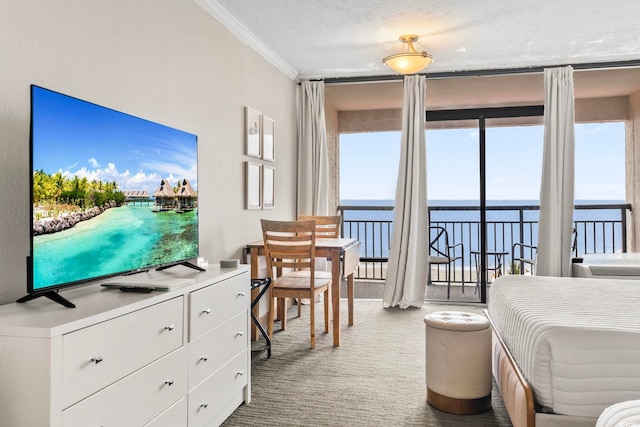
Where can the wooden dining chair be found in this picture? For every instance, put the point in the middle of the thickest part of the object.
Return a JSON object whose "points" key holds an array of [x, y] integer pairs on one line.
{"points": [[289, 248], [327, 226]]}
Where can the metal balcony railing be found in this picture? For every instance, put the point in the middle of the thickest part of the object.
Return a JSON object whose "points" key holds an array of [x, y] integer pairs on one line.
{"points": [[600, 228]]}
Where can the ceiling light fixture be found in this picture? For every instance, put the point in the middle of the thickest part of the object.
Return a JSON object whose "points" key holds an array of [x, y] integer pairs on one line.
{"points": [[408, 61]]}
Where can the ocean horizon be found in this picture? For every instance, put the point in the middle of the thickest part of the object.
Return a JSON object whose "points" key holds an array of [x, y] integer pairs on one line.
{"points": [[503, 225]]}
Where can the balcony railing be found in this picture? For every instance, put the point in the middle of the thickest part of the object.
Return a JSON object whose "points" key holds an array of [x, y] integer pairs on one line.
{"points": [[600, 228]]}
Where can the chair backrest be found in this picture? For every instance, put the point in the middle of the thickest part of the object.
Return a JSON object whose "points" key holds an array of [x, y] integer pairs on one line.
{"points": [[327, 226], [289, 245], [438, 241]]}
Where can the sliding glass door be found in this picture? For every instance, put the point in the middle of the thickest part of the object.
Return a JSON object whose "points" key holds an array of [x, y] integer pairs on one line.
{"points": [[454, 210], [485, 177]]}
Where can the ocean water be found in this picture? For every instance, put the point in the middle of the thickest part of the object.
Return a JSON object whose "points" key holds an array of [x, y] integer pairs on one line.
{"points": [[591, 239], [474, 215], [120, 239]]}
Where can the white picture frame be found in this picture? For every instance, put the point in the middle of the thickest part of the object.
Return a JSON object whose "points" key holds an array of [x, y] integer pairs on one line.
{"points": [[268, 187], [268, 138], [253, 187], [252, 132]]}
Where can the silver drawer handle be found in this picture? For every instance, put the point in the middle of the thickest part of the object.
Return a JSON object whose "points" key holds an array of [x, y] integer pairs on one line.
{"points": [[239, 334], [204, 405], [204, 358], [97, 359], [169, 382], [169, 328], [239, 373], [207, 311], [241, 294]]}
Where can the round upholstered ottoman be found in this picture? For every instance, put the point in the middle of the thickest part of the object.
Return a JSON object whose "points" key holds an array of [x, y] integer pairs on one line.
{"points": [[623, 414], [458, 359]]}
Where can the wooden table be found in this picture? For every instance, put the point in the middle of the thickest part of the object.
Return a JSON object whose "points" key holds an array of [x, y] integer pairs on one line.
{"points": [[347, 254]]}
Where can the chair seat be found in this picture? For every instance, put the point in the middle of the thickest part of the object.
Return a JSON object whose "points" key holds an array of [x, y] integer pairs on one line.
{"points": [[300, 280], [305, 273], [438, 260]]}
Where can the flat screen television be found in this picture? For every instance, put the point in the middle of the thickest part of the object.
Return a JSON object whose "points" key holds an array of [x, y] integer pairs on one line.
{"points": [[111, 194]]}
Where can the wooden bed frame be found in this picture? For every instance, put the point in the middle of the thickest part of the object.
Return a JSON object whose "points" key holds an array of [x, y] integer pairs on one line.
{"points": [[517, 394]]}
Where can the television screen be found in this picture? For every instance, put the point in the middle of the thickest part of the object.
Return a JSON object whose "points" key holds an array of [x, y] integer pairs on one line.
{"points": [[111, 193]]}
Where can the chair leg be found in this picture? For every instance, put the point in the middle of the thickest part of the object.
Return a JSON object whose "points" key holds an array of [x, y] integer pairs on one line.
{"points": [[326, 311], [282, 312], [312, 323], [299, 302], [462, 276], [448, 281]]}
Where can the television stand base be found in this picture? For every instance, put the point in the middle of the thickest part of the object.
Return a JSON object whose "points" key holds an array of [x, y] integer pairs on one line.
{"points": [[52, 295], [185, 263]]}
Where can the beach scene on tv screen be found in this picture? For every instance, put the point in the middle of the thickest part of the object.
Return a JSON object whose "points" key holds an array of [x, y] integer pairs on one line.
{"points": [[111, 192]]}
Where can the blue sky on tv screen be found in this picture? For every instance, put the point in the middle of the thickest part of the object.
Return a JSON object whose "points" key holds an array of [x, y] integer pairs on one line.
{"points": [[75, 137]]}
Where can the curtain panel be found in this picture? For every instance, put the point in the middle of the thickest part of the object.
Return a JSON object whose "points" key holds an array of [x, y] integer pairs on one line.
{"points": [[313, 157], [405, 284], [557, 185]]}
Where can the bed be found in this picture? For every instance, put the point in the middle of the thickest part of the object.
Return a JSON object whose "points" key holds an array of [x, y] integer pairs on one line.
{"points": [[564, 348]]}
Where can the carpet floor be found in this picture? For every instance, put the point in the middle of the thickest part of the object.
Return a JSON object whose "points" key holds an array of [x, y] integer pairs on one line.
{"points": [[375, 378]]}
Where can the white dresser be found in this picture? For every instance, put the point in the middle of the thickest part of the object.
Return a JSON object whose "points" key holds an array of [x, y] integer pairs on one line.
{"points": [[162, 359]]}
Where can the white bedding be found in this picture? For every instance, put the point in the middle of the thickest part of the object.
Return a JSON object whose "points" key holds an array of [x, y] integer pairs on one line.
{"points": [[577, 341]]}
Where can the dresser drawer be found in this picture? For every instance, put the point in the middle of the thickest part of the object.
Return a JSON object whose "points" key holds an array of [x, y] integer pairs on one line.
{"points": [[222, 390], [175, 416], [214, 305], [212, 350], [99, 355], [136, 399]]}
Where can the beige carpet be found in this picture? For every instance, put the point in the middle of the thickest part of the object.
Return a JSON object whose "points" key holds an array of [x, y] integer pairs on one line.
{"points": [[375, 378]]}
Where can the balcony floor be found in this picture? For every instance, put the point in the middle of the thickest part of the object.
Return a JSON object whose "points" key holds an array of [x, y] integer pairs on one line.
{"points": [[374, 289]]}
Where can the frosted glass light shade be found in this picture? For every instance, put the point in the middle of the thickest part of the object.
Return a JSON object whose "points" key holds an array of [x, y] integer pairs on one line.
{"points": [[408, 61]]}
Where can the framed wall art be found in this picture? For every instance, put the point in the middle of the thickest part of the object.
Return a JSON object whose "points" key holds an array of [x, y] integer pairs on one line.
{"points": [[252, 132], [268, 138], [268, 187], [253, 178]]}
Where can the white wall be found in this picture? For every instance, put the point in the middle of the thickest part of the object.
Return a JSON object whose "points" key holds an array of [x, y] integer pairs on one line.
{"points": [[167, 61]]}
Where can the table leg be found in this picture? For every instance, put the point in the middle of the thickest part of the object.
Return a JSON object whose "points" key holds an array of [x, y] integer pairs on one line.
{"points": [[335, 295], [350, 296]]}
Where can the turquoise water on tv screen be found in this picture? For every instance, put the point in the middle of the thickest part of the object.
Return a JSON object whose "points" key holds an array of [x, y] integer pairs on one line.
{"points": [[120, 239]]}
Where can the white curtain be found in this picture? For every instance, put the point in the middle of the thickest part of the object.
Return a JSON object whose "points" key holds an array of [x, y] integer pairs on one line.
{"points": [[556, 188], [313, 158], [405, 284]]}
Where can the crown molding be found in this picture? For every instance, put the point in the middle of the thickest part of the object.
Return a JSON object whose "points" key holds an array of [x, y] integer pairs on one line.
{"points": [[229, 22]]}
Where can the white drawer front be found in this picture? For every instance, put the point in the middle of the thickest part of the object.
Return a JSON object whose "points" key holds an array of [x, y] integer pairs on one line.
{"points": [[214, 394], [175, 416], [213, 305], [101, 354], [209, 352], [136, 399]]}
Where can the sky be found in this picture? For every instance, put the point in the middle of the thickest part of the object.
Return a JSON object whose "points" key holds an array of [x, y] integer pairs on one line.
{"points": [[369, 163], [79, 138]]}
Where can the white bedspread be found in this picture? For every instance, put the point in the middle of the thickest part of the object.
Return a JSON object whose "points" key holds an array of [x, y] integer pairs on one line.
{"points": [[577, 341]]}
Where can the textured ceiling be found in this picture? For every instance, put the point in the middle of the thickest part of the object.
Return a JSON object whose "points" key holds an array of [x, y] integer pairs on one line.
{"points": [[347, 38]]}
